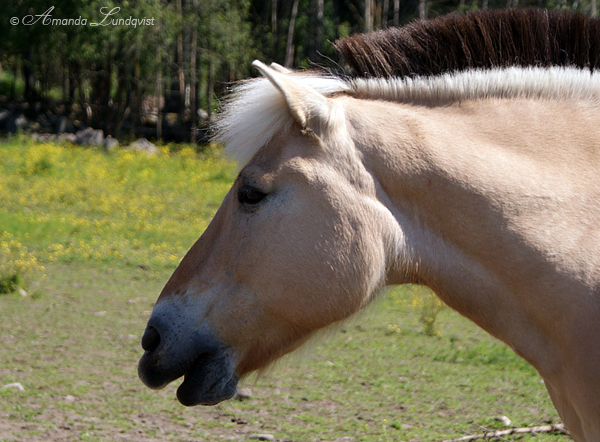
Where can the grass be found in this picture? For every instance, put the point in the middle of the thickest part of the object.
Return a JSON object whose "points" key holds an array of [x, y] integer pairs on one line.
{"points": [[109, 229], [74, 204]]}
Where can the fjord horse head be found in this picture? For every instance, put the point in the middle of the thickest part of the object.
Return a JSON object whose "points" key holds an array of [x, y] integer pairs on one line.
{"points": [[479, 183]]}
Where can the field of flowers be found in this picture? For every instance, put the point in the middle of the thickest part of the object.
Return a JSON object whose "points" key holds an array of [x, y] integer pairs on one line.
{"points": [[63, 203]]}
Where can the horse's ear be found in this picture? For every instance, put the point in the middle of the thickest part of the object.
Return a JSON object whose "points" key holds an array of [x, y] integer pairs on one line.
{"points": [[308, 107], [280, 68]]}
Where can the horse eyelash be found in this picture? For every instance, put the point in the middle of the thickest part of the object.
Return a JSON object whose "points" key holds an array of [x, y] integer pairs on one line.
{"points": [[250, 196]]}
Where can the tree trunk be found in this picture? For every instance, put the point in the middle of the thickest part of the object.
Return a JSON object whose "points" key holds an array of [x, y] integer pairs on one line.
{"points": [[422, 9], [28, 75], [193, 114], [180, 74], [593, 8], [289, 53], [159, 94], [101, 92], [65, 81], [368, 15], [211, 84], [319, 34], [121, 104], [13, 85], [384, 13], [274, 39], [133, 98], [74, 80], [397, 12]]}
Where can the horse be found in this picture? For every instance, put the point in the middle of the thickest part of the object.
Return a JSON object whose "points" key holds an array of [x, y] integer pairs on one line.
{"points": [[460, 153]]}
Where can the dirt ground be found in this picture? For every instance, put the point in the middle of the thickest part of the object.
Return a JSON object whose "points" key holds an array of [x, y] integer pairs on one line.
{"points": [[220, 423]]}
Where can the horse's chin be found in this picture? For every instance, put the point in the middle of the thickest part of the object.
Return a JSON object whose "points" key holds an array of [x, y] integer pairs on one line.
{"points": [[208, 382]]}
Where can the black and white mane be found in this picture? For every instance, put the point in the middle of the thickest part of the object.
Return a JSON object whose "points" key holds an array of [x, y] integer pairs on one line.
{"points": [[500, 54], [476, 40]]}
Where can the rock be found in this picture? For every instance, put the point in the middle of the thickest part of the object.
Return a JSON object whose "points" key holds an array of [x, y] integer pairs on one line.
{"points": [[202, 114], [90, 137], [143, 145], [4, 116], [68, 137], [263, 436], [42, 121], [505, 421], [17, 123], [136, 300], [243, 394], [110, 144], [63, 125], [69, 398], [22, 292], [34, 126], [43, 138], [16, 385], [171, 118]]}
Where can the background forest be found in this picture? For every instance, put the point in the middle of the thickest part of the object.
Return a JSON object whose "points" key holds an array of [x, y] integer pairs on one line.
{"points": [[162, 76]]}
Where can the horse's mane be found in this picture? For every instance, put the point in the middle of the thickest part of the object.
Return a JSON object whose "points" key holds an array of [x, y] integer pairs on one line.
{"points": [[523, 53], [476, 40]]}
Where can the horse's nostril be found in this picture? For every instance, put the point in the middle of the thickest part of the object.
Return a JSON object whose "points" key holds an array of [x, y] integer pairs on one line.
{"points": [[151, 339]]}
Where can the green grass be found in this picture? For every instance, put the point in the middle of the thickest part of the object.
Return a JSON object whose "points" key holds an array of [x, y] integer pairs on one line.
{"points": [[74, 346], [75, 204]]}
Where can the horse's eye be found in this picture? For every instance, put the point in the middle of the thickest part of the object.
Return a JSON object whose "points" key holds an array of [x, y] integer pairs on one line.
{"points": [[248, 195]]}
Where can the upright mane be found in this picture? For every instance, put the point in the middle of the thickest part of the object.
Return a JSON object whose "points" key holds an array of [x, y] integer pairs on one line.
{"points": [[476, 40], [524, 53]]}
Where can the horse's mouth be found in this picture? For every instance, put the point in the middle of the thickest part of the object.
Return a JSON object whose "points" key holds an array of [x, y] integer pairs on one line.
{"points": [[210, 380], [175, 346], [207, 380]]}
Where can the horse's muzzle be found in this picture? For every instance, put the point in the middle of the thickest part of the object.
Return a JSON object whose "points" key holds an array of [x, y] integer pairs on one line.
{"points": [[171, 352]]}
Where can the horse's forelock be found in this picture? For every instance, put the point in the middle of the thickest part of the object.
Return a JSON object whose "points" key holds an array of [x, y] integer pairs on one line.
{"points": [[251, 116], [256, 111]]}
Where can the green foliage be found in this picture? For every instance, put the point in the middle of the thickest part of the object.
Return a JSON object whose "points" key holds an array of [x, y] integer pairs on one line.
{"points": [[10, 283], [189, 54], [484, 353], [431, 306], [16, 264], [428, 306]]}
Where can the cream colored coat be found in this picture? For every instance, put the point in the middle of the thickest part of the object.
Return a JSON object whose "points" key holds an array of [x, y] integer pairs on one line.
{"points": [[482, 186]]}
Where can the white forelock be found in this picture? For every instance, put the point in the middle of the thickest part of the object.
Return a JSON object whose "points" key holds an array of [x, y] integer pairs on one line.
{"points": [[256, 110]]}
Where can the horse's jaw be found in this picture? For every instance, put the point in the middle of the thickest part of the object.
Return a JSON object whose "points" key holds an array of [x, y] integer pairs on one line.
{"points": [[173, 351]]}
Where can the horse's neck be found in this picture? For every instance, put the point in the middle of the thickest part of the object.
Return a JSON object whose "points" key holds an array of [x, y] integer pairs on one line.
{"points": [[488, 196]]}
